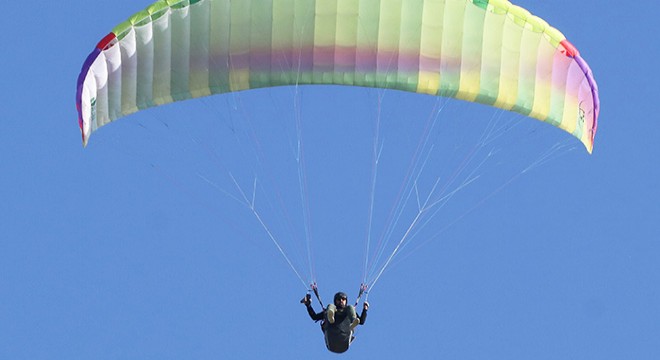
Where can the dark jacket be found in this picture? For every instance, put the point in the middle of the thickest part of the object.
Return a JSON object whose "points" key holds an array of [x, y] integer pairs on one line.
{"points": [[337, 335]]}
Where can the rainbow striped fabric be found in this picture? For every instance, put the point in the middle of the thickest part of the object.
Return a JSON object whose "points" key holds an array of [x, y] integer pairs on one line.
{"points": [[486, 51]]}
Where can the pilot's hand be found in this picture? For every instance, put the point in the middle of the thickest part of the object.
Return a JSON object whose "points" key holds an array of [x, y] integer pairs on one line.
{"points": [[307, 300]]}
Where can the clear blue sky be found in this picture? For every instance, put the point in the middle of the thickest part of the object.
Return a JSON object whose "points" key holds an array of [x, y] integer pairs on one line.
{"points": [[122, 251]]}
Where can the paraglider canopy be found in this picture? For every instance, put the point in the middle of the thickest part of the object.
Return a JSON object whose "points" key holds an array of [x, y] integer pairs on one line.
{"points": [[486, 51]]}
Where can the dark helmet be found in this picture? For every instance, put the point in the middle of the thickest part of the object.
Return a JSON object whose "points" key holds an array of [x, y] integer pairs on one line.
{"points": [[340, 295]]}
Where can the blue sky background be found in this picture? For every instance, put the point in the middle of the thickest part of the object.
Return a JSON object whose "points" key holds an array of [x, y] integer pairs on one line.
{"points": [[131, 249]]}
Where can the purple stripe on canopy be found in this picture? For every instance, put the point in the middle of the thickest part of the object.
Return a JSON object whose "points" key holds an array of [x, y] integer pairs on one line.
{"points": [[592, 82], [81, 79]]}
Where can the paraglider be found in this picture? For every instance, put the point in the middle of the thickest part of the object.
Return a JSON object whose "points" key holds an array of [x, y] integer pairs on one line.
{"points": [[484, 51], [338, 321]]}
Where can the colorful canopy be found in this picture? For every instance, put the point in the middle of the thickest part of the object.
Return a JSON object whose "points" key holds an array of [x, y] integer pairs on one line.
{"points": [[486, 51]]}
